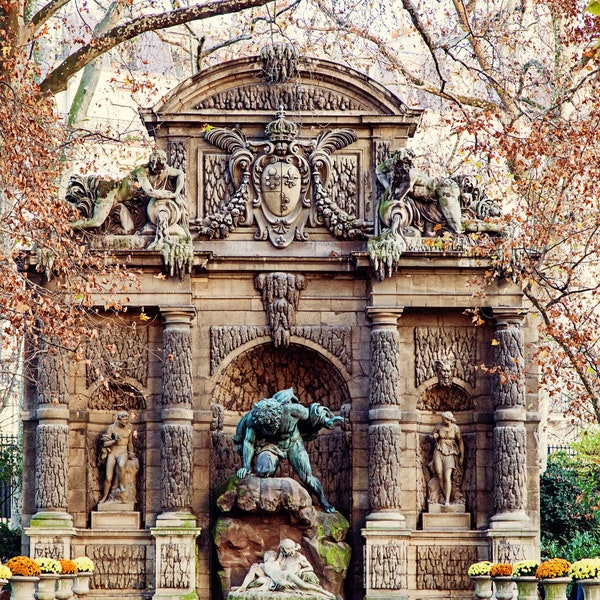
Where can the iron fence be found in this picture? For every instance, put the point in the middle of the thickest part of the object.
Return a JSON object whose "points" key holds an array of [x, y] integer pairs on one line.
{"points": [[566, 448], [10, 456]]}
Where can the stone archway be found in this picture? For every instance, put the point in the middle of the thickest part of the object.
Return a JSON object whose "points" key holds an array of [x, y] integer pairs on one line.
{"points": [[260, 372]]}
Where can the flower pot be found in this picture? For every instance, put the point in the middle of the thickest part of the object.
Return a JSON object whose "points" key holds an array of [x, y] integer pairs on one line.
{"points": [[504, 588], [65, 587], [82, 584], [22, 588], [591, 588], [526, 588], [3, 582], [46, 586], [556, 589], [483, 586]]}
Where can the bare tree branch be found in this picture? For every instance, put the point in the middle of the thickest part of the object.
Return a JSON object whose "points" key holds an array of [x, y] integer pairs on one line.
{"points": [[45, 13], [413, 80], [56, 81]]}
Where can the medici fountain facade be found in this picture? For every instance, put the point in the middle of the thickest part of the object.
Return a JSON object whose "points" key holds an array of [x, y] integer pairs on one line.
{"points": [[293, 260]]}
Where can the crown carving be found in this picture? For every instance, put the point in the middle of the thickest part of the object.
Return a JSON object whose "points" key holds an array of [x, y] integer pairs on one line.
{"points": [[281, 129]]}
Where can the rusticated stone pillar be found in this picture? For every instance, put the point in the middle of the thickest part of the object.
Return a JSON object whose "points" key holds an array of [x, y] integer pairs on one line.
{"points": [[508, 390], [51, 528], [175, 532], [177, 415], [385, 532]]}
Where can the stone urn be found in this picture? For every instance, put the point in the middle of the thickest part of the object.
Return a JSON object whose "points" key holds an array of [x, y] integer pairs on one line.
{"points": [[46, 586], [82, 584], [504, 588], [22, 588], [591, 588], [556, 589], [65, 587], [526, 588], [483, 586]]}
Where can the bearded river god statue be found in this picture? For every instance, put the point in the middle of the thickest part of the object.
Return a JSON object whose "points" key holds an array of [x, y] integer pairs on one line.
{"points": [[418, 212], [150, 201], [274, 430]]}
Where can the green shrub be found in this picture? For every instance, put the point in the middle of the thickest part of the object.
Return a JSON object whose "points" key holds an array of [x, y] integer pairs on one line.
{"points": [[10, 542], [583, 544], [566, 507]]}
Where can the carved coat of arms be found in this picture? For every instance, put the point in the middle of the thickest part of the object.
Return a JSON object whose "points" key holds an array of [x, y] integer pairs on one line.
{"points": [[280, 185]]}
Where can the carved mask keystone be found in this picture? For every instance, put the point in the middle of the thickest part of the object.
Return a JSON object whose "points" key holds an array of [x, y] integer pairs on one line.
{"points": [[280, 296]]}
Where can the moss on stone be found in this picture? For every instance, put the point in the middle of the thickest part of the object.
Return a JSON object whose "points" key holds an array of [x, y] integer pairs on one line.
{"points": [[335, 555]]}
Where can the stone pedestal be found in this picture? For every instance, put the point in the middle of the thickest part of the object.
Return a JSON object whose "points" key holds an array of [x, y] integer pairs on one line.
{"points": [[116, 520], [50, 534], [386, 560], [175, 543], [444, 521]]}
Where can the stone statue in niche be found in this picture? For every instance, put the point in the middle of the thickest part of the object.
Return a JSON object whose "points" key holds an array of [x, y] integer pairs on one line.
{"points": [[285, 571], [446, 464], [119, 461], [148, 201], [274, 430]]}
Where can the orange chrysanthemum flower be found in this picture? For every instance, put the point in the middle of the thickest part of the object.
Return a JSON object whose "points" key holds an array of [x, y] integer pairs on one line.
{"points": [[68, 567], [553, 568], [501, 570], [23, 566]]}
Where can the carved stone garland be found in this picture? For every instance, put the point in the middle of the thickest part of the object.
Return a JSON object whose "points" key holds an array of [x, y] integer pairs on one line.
{"points": [[281, 185], [268, 97]]}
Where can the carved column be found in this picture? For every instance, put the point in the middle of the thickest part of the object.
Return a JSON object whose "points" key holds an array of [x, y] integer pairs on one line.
{"points": [[51, 528], [385, 533], [175, 532], [508, 390]]}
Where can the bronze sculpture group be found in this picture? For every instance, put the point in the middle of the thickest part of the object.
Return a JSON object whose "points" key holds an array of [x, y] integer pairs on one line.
{"points": [[274, 430]]}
